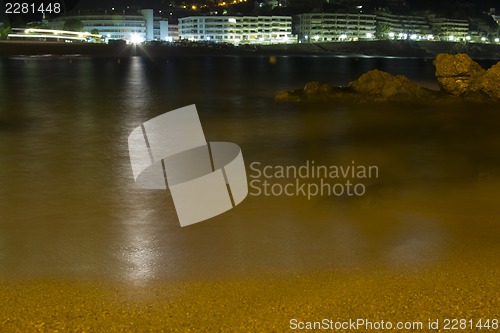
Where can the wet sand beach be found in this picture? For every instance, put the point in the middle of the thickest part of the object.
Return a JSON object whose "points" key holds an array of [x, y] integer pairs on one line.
{"points": [[458, 290]]}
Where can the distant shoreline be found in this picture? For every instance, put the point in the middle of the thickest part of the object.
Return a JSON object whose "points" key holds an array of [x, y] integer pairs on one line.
{"points": [[411, 49]]}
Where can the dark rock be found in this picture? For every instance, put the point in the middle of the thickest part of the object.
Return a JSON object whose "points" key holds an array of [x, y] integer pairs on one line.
{"points": [[381, 86], [488, 84], [326, 88], [456, 73], [312, 88], [289, 96], [317, 88]]}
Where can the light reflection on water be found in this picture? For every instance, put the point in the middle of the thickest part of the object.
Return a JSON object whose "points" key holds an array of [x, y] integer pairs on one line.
{"points": [[68, 204]]}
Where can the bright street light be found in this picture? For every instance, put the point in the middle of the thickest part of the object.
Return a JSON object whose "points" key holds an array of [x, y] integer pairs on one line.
{"points": [[136, 39]]}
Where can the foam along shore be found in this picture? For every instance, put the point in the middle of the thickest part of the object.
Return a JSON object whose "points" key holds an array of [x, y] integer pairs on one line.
{"points": [[459, 78]]}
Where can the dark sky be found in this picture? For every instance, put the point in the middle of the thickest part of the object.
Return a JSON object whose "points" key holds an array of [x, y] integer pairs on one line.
{"points": [[80, 4], [117, 3], [158, 4]]}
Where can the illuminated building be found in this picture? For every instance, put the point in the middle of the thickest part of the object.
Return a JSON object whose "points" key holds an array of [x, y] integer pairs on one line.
{"points": [[130, 26], [237, 29], [405, 26], [449, 29], [327, 27]]}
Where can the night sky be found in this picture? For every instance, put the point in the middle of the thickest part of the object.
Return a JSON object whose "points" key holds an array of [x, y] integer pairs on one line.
{"points": [[78, 4], [158, 4]]}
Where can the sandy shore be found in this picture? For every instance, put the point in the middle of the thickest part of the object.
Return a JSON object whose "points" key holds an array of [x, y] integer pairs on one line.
{"points": [[254, 304]]}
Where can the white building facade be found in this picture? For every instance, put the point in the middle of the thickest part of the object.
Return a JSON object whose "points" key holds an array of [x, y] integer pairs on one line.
{"points": [[237, 29], [405, 26], [449, 29], [328, 27], [140, 26]]}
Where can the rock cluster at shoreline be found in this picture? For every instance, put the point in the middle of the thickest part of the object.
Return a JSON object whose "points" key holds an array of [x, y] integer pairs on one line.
{"points": [[459, 77]]}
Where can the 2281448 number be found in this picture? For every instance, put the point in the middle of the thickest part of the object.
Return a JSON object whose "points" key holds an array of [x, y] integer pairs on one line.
{"points": [[32, 8], [469, 324]]}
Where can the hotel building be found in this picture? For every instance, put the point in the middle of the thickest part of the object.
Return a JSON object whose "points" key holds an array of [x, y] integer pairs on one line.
{"points": [[449, 29], [327, 27], [237, 29], [404, 26], [133, 26]]}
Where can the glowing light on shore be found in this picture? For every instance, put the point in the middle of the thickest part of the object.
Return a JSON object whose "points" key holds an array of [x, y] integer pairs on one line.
{"points": [[58, 32], [136, 39], [53, 34], [44, 36], [391, 34]]}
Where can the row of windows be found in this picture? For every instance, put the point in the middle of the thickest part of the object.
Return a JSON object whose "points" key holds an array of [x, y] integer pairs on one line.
{"points": [[121, 31], [460, 26], [325, 26], [252, 19], [237, 25], [306, 16], [241, 30], [410, 27], [211, 37], [181, 21], [339, 22], [190, 31], [353, 32], [349, 18], [338, 38], [402, 19], [113, 25], [336, 28]]}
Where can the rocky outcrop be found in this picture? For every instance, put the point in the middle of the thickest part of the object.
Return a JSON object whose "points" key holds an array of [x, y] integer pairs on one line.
{"points": [[459, 75], [289, 96], [316, 88], [374, 86], [488, 84], [314, 91], [382, 86], [456, 73]]}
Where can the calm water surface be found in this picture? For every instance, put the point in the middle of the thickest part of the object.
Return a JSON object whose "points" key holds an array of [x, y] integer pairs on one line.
{"points": [[69, 206]]}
